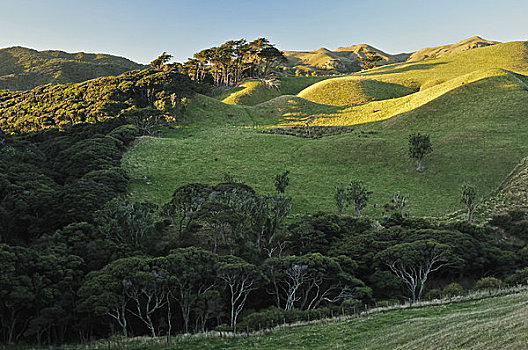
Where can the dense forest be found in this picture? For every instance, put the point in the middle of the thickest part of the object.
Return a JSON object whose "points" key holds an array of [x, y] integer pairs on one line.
{"points": [[79, 261]]}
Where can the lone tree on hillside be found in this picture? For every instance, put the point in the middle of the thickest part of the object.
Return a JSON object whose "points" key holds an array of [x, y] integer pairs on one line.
{"points": [[469, 198], [419, 147], [357, 194], [281, 182], [370, 60]]}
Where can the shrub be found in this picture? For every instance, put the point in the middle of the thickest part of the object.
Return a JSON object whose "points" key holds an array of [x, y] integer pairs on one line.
{"points": [[488, 283], [519, 277], [433, 294], [452, 290], [125, 133]]}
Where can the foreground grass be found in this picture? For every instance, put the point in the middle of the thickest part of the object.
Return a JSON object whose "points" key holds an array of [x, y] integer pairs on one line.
{"points": [[484, 323], [494, 323]]}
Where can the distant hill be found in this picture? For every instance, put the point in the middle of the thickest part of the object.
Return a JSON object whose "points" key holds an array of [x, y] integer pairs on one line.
{"points": [[342, 60], [445, 50], [346, 59], [22, 68]]}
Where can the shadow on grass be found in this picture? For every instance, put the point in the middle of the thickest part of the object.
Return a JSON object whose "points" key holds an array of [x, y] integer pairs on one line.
{"points": [[410, 67]]}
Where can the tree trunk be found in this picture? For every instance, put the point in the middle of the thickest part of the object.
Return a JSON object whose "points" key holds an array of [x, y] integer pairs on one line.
{"points": [[419, 166]]}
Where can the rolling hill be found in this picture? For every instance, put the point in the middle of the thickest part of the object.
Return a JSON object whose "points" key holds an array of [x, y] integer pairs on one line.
{"points": [[342, 60], [346, 59], [22, 68], [446, 50], [473, 104]]}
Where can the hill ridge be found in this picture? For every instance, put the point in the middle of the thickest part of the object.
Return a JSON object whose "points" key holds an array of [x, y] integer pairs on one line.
{"points": [[24, 68]]}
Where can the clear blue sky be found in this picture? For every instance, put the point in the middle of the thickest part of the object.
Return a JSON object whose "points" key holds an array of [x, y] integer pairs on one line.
{"points": [[141, 30]]}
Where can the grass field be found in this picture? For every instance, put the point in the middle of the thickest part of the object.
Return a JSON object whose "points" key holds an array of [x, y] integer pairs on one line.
{"points": [[470, 103]]}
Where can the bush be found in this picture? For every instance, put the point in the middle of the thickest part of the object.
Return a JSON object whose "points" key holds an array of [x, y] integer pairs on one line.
{"points": [[452, 290], [433, 294], [488, 283], [519, 277], [125, 133], [274, 316]]}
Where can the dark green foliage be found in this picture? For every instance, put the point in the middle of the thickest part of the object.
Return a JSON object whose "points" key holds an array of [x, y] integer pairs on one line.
{"points": [[134, 94], [159, 62], [487, 283], [22, 68], [281, 182], [519, 277], [114, 178], [452, 290], [88, 155], [232, 61], [128, 224], [419, 146], [357, 195], [125, 133]]}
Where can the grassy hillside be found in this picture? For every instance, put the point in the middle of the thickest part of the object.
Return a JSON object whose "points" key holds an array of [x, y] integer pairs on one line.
{"points": [[483, 324], [251, 93], [475, 114], [445, 50], [342, 60], [352, 91], [254, 92], [22, 68], [488, 324]]}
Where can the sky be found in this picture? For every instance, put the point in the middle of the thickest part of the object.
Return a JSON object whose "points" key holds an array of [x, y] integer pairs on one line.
{"points": [[142, 29]]}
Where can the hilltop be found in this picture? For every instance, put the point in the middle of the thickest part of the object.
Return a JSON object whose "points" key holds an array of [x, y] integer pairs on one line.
{"points": [[346, 59], [23, 68], [342, 60], [445, 50]]}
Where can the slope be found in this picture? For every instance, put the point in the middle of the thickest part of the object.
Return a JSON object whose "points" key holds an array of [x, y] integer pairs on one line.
{"points": [[457, 113], [445, 50], [342, 60], [22, 68], [426, 75], [485, 324]]}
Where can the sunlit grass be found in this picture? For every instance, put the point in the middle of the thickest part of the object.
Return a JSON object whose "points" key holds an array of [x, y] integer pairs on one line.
{"points": [[476, 119]]}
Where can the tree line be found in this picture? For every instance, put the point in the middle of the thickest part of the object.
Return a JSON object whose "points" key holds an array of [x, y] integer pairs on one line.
{"points": [[228, 64]]}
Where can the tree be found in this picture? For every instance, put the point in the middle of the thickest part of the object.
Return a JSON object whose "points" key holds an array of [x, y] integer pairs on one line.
{"points": [[186, 201], [103, 291], [469, 198], [149, 289], [160, 62], [240, 278], [358, 194], [307, 281], [370, 60], [281, 182], [270, 212], [131, 224], [192, 273], [397, 204], [419, 147], [413, 262]]}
